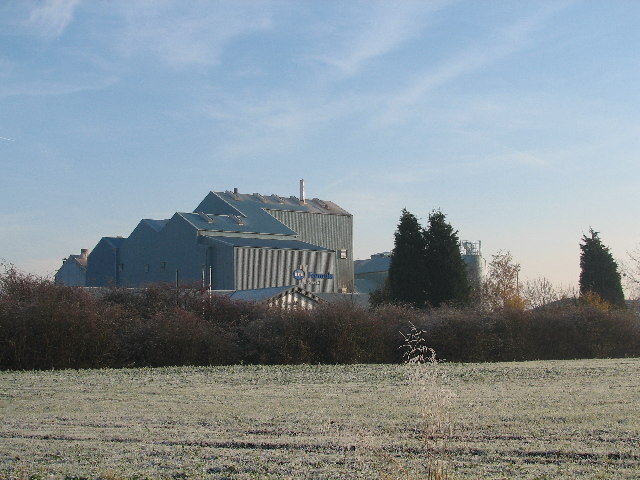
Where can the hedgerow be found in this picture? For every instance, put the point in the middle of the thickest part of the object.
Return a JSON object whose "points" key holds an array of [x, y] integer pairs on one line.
{"points": [[48, 326]]}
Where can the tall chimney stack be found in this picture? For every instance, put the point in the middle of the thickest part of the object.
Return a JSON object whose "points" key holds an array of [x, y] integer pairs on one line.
{"points": [[302, 199]]}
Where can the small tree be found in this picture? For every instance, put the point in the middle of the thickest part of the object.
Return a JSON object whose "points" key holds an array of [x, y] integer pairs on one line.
{"points": [[631, 274], [501, 288], [446, 279], [599, 271], [406, 271], [540, 291]]}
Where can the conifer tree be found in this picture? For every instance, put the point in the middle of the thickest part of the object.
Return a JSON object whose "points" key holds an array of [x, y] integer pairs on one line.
{"points": [[599, 271], [446, 280], [406, 271]]}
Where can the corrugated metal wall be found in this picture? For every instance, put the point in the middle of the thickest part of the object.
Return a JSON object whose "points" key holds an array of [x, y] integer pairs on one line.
{"points": [[330, 231], [220, 258], [270, 267], [102, 265]]}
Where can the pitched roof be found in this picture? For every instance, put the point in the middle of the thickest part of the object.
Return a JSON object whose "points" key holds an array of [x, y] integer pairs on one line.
{"points": [[255, 222], [81, 259], [263, 294], [113, 242], [157, 225], [244, 213], [261, 243], [377, 263], [247, 204]]}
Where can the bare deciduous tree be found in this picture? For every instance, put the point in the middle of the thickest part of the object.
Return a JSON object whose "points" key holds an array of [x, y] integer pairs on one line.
{"points": [[538, 292], [631, 274], [501, 288]]}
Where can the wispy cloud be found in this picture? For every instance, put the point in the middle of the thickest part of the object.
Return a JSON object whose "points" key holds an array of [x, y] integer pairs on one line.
{"points": [[51, 17], [35, 87], [504, 43], [275, 124], [188, 33], [378, 29]]}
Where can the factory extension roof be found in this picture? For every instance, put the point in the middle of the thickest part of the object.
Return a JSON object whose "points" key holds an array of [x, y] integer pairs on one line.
{"points": [[261, 294], [246, 203], [114, 242], [377, 263], [242, 213], [261, 243], [256, 222]]}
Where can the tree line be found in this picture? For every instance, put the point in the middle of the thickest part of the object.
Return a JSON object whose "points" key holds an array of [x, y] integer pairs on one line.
{"points": [[44, 325], [427, 271], [49, 326]]}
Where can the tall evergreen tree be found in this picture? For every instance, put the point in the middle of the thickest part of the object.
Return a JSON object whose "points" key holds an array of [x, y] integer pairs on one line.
{"points": [[599, 271], [406, 271], [446, 280]]}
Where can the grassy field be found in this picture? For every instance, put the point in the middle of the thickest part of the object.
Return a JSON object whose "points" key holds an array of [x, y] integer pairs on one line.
{"points": [[535, 420]]}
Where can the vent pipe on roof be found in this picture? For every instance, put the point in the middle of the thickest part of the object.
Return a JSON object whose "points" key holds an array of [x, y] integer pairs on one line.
{"points": [[302, 199], [84, 252], [235, 190]]}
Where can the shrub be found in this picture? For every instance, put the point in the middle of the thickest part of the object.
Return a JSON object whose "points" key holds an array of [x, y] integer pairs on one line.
{"points": [[44, 325]]}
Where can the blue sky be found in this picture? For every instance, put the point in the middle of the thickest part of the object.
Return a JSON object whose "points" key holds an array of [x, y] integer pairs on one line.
{"points": [[519, 120]]}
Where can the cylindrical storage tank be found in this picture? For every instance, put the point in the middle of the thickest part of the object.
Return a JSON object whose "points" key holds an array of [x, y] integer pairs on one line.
{"points": [[474, 265]]}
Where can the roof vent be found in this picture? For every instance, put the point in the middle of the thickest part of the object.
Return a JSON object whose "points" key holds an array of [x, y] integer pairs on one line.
{"points": [[205, 217], [320, 203], [234, 195], [237, 219], [277, 198], [260, 197]]}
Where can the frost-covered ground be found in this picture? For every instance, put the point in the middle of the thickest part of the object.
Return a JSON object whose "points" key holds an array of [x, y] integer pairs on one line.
{"points": [[535, 420]]}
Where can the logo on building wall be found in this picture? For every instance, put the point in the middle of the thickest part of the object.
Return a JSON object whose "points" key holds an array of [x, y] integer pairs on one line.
{"points": [[312, 278]]}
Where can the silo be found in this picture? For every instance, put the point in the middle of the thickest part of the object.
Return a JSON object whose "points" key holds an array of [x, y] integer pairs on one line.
{"points": [[472, 256]]}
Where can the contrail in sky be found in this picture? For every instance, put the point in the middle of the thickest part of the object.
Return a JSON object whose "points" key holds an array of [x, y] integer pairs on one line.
{"points": [[7, 139]]}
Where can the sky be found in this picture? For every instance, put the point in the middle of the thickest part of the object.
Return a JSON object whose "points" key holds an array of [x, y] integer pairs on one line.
{"points": [[519, 120]]}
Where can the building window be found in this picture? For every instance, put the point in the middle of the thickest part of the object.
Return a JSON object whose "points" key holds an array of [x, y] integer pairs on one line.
{"points": [[343, 253], [146, 268], [120, 267], [163, 266]]}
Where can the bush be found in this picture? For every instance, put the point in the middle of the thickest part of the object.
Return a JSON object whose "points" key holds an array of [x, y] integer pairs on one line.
{"points": [[44, 325]]}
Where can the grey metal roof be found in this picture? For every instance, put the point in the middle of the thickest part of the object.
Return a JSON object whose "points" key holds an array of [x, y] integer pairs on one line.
{"points": [[80, 259], [258, 294], [248, 203], [157, 225], [113, 242], [262, 294], [256, 222], [261, 243], [247, 213], [374, 264]]}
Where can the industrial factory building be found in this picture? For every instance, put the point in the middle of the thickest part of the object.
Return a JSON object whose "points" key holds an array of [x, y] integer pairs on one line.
{"points": [[73, 270], [235, 241], [371, 274]]}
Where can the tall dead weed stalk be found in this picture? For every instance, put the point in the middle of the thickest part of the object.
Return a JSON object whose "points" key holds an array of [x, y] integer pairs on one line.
{"points": [[430, 384]]}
